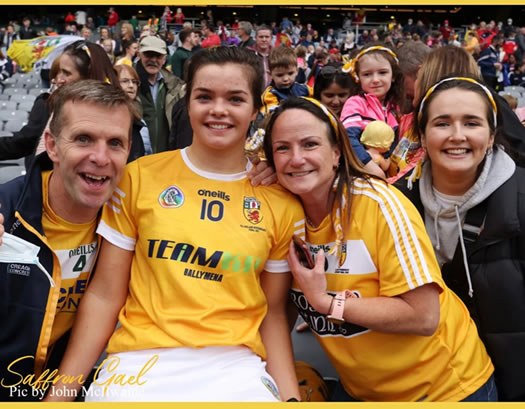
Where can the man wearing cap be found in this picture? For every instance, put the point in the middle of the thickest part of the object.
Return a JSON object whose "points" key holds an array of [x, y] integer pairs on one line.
{"points": [[159, 90]]}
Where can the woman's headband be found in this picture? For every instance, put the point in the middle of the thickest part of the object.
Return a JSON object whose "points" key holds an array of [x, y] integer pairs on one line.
{"points": [[331, 118], [473, 81], [350, 63]]}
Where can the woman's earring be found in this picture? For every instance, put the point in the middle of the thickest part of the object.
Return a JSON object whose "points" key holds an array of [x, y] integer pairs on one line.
{"points": [[489, 151]]}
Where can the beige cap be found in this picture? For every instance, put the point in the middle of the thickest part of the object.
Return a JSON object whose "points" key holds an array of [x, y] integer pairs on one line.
{"points": [[152, 43]]}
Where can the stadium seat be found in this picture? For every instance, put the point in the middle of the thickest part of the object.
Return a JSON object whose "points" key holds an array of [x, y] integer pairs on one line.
{"points": [[10, 115], [29, 83], [8, 173], [15, 90], [11, 80], [37, 91], [515, 94], [4, 97], [8, 105], [515, 88], [25, 106], [22, 98], [4, 134], [14, 125]]}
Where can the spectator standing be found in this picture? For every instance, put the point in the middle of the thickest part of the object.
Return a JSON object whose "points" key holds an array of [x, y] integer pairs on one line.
{"points": [[26, 31], [113, 19], [80, 17], [178, 18], [520, 40], [211, 39], [131, 48], [189, 40], [245, 34], [263, 40], [446, 31], [8, 37], [159, 90], [490, 64]]}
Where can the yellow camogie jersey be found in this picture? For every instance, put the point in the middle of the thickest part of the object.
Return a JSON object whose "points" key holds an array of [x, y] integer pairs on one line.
{"points": [[75, 246], [200, 242], [387, 252]]}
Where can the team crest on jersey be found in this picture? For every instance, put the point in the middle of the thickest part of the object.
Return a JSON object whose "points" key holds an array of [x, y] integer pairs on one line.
{"points": [[171, 198], [252, 210]]}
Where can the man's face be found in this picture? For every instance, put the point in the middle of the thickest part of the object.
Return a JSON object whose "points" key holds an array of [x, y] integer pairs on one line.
{"points": [[195, 39], [86, 33], [152, 61], [27, 22], [262, 40], [89, 156], [10, 29]]}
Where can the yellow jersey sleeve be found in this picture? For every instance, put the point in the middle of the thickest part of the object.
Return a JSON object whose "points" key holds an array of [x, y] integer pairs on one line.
{"points": [[118, 225], [404, 251]]}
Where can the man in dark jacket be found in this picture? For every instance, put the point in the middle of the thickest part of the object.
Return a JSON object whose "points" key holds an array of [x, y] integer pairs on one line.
{"points": [[159, 91], [489, 63], [26, 31], [56, 206]]}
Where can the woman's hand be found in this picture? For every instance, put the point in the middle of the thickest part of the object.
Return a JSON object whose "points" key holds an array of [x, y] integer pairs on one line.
{"points": [[261, 173], [311, 281]]}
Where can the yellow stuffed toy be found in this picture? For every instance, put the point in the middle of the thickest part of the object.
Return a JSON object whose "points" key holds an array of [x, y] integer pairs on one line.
{"points": [[377, 138]]}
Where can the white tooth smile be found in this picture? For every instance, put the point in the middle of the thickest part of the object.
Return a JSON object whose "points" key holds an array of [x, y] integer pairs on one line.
{"points": [[217, 126], [458, 151], [97, 178]]}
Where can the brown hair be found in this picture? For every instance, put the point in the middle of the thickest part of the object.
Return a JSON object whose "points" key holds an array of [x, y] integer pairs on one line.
{"points": [[350, 167], [226, 55], [396, 94], [129, 69], [443, 62], [93, 64], [89, 91], [282, 57]]}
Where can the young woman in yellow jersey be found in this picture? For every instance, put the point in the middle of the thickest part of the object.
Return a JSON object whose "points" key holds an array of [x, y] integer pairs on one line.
{"points": [[193, 262], [375, 298]]}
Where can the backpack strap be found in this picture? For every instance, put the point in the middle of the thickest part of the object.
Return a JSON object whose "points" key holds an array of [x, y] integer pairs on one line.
{"points": [[474, 223]]}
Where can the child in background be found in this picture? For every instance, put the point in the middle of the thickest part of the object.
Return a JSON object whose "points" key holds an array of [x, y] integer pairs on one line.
{"points": [[517, 76], [376, 74], [302, 67], [283, 69], [107, 45]]}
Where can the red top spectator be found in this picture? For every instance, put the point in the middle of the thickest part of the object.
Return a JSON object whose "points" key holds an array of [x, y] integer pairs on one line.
{"points": [[113, 17], [211, 38], [446, 30], [69, 18]]}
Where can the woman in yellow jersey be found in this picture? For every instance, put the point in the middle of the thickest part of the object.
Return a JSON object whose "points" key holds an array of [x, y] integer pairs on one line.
{"points": [[193, 262], [375, 298]]}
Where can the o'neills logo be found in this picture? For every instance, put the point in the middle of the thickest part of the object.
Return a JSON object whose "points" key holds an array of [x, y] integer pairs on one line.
{"points": [[172, 197], [21, 386]]}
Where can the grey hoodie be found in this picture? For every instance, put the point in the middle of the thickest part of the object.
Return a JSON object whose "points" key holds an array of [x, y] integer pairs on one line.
{"points": [[444, 224]]}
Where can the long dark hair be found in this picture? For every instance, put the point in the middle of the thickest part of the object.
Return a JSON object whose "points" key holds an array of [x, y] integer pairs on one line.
{"points": [[91, 61]]}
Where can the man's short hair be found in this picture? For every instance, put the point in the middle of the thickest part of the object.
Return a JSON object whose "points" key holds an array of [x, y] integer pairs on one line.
{"points": [[88, 91], [184, 34], [246, 26], [263, 28], [282, 57], [411, 56]]}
